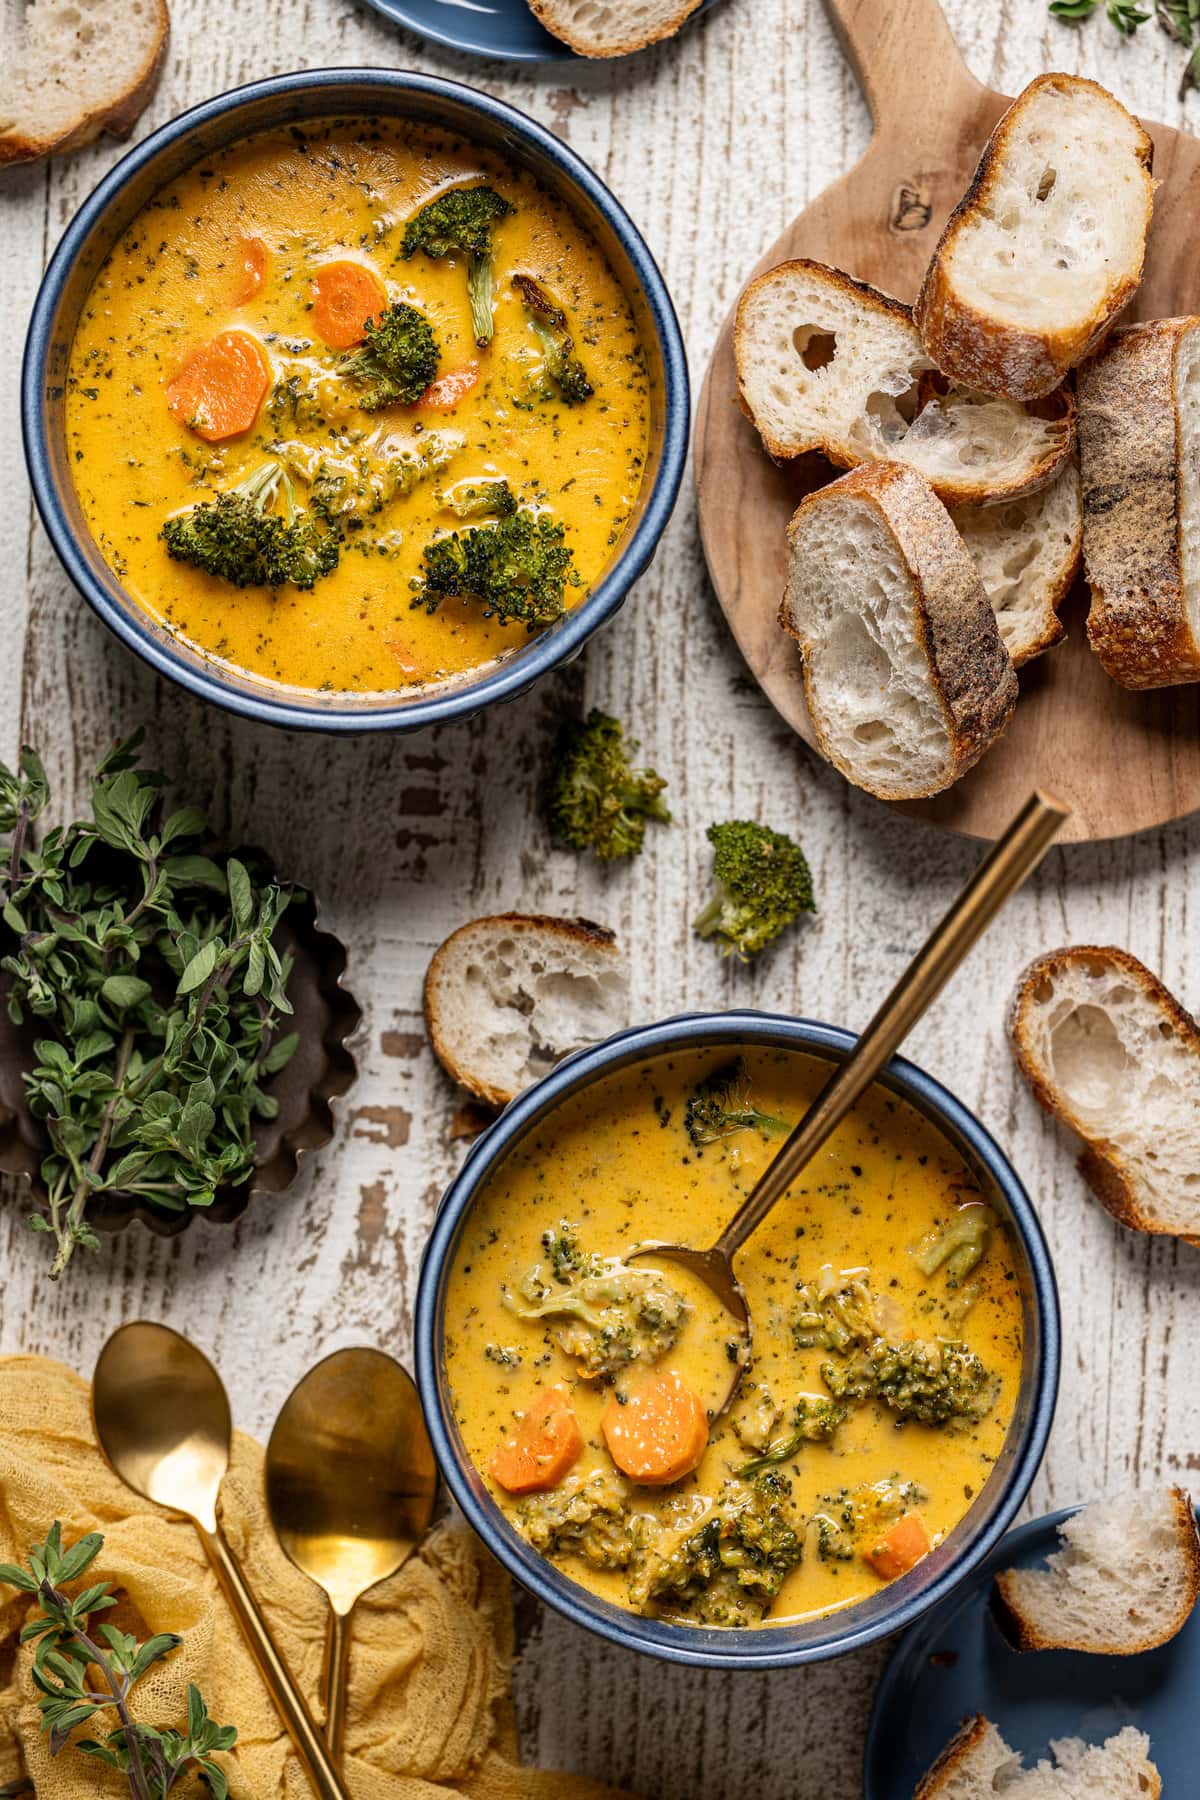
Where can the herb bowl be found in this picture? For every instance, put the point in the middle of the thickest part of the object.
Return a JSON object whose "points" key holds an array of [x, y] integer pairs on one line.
{"points": [[289, 100], [992, 1510]]}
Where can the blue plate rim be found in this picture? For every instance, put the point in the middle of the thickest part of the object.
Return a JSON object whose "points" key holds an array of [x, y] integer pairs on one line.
{"points": [[284, 709], [694, 1647], [399, 12]]}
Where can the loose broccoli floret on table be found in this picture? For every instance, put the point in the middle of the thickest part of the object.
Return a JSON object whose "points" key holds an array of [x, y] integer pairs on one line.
{"points": [[597, 800], [721, 1105], [235, 537], [460, 222], [398, 359], [959, 1244], [763, 883], [549, 321], [518, 569], [933, 1382]]}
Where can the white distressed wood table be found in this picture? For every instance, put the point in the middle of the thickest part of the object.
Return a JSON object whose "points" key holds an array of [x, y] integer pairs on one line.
{"points": [[713, 143]]}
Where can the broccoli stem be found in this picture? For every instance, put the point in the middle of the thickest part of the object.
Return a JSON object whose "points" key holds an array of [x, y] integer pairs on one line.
{"points": [[480, 291]]}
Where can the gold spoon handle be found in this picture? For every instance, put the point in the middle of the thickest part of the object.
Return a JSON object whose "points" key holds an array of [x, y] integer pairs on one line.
{"points": [[337, 1653], [1013, 857], [306, 1739]]}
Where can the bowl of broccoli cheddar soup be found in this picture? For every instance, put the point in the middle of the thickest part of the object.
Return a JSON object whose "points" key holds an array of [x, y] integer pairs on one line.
{"points": [[354, 400], [905, 1347]]}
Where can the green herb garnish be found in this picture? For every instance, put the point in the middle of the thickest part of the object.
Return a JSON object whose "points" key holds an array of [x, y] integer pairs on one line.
{"points": [[153, 972], [1180, 19]]}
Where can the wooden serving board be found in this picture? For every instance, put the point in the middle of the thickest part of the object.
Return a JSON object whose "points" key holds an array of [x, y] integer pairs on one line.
{"points": [[1122, 761]]}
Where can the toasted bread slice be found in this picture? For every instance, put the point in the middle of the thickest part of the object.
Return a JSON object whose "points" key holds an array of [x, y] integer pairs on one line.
{"points": [[906, 679], [1112, 1054], [507, 997], [1027, 553], [827, 363], [1046, 245], [1140, 456], [977, 1764], [612, 27], [82, 67], [1125, 1580]]}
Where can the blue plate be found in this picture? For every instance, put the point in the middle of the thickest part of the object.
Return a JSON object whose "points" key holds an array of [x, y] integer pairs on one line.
{"points": [[505, 29], [955, 1662]]}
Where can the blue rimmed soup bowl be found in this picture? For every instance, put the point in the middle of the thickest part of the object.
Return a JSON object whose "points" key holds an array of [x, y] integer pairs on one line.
{"points": [[287, 100], [893, 1608]]}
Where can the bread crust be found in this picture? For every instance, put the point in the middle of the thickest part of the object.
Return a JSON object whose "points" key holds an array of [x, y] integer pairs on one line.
{"points": [[1101, 1163], [1131, 453], [969, 669], [1023, 1635], [975, 347], [546, 13], [962, 1745], [576, 931], [117, 117]]}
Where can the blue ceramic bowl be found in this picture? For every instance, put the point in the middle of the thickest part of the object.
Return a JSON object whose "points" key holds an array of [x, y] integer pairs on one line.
{"points": [[991, 1512], [263, 106], [501, 28]]}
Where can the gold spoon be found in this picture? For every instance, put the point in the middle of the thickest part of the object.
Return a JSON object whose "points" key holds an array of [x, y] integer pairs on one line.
{"points": [[1012, 858], [162, 1418], [350, 1489]]}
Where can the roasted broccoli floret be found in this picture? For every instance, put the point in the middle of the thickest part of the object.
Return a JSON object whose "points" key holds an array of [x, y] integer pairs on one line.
{"points": [[959, 1244], [814, 1421], [549, 321], [836, 1312], [933, 1382], [519, 568], [588, 1516], [235, 537], [597, 800], [398, 359], [729, 1570], [480, 500], [720, 1105], [763, 882], [462, 221], [611, 1316]]}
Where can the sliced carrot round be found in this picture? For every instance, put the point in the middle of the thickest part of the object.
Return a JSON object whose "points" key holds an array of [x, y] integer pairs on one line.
{"points": [[219, 389], [545, 1446], [901, 1547], [659, 1433], [449, 389], [345, 296], [250, 271]]}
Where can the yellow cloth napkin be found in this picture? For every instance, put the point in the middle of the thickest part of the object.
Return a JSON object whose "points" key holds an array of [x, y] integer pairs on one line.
{"points": [[430, 1661]]}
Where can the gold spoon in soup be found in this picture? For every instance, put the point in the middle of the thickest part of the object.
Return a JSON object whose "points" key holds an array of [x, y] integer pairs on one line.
{"points": [[351, 1482], [1012, 858], [162, 1417]]}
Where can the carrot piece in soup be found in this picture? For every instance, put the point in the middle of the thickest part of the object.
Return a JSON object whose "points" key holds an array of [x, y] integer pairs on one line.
{"points": [[250, 270], [660, 1433], [219, 389], [446, 392], [901, 1547], [545, 1446], [345, 297]]}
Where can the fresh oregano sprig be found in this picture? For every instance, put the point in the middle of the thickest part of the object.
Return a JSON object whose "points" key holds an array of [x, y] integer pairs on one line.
{"points": [[153, 971], [1180, 19], [80, 1674]]}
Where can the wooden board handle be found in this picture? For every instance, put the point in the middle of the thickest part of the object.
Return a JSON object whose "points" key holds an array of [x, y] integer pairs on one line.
{"points": [[902, 52]]}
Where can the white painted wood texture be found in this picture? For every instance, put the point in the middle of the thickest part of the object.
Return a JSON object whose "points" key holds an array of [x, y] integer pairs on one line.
{"points": [[713, 143]]}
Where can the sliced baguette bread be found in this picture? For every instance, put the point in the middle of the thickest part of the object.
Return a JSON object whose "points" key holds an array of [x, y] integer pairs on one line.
{"points": [[81, 67], [1046, 245], [905, 676], [977, 1764], [1112, 1054], [1140, 455], [508, 997], [612, 27], [1125, 1580], [1027, 554], [827, 363]]}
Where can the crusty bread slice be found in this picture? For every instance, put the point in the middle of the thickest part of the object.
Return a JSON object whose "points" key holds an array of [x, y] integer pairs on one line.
{"points": [[1125, 1580], [612, 27], [1027, 554], [977, 1764], [827, 363], [1046, 245], [1112, 1054], [1140, 455], [906, 679], [509, 996], [81, 67]]}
